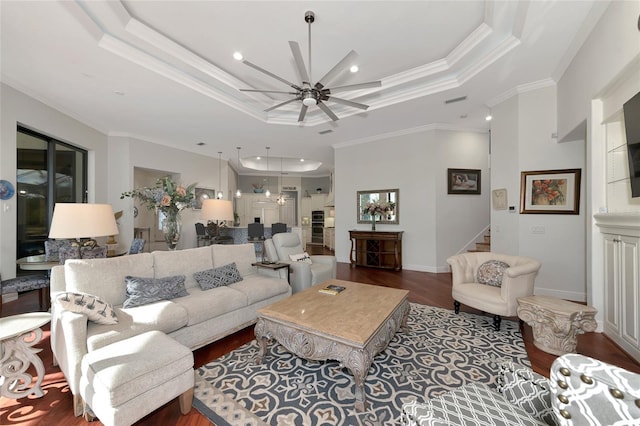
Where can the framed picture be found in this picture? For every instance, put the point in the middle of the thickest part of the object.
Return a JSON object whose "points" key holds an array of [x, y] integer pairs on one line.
{"points": [[550, 191], [463, 181], [202, 194], [499, 198]]}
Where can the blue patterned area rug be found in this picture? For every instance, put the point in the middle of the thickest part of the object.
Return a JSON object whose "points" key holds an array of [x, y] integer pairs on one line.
{"points": [[440, 351]]}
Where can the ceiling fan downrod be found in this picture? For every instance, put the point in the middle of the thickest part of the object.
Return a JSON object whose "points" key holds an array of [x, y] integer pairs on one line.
{"points": [[309, 18]]}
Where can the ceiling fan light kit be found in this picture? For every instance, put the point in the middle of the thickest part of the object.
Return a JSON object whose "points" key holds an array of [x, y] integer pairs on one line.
{"points": [[317, 94]]}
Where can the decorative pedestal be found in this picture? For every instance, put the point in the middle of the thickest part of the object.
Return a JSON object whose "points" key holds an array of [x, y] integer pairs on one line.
{"points": [[556, 323]]}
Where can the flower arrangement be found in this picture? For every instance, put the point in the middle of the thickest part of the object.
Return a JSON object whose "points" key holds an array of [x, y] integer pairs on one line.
{"points": [[549, 191], [167, 196], [378, 208]]}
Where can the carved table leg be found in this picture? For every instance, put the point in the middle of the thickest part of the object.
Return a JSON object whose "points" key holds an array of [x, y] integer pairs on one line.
{"points": [[262, 338], [17, 355], [358, 363]]}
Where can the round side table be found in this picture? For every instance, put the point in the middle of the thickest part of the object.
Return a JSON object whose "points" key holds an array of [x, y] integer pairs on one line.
{"points": [[18, 335]]}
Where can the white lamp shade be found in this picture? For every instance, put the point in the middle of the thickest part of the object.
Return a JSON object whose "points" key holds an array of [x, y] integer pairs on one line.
{"points": [[216, 210], [81, 220]]}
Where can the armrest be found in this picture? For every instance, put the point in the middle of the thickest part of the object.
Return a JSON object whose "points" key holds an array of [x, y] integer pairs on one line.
{"points": [[69, 344], [530, 267], [326, 260], [526, 389], [594, 392], [300, 276]]}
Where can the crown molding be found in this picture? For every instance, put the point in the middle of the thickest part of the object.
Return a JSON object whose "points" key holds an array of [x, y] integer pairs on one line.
{"points": [[523, 88]]}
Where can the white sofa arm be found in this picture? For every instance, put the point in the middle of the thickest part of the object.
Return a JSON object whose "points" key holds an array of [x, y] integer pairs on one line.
{"points": [[300, 276], [327, 260], [69, 344]]}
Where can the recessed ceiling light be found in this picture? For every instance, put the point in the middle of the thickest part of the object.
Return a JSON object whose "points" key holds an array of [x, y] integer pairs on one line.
{"points": [[354, 68], [488, 117], [302, 160], [237, 56], [258, 158]]}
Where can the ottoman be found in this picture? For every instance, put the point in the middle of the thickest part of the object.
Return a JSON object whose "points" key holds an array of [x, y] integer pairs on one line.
{"points": [[129, 379]]}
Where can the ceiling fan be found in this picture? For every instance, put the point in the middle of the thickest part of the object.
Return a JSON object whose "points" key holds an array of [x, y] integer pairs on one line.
{"points": [[316, 94]]}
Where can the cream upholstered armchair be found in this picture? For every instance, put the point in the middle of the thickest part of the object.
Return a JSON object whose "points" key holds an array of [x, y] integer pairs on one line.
{"points": [[305, 273], [492, 282]]}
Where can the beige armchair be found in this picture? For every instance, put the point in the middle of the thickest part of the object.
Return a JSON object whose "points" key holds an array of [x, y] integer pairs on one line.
{"points": [[303, 275], [517, 280]]}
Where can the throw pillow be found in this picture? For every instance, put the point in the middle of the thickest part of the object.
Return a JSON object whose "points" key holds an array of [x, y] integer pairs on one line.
{"points": [[93, 252], [491, 272], [142, 291], [302, 257], [68, 252], [92, 306], [218, 277]]}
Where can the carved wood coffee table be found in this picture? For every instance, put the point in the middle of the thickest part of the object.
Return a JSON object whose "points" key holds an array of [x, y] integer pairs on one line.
{"points": [[350, 327]]}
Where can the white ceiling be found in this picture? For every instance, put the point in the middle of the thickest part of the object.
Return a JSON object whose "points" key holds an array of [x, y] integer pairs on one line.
{"points": [[163, 70]]}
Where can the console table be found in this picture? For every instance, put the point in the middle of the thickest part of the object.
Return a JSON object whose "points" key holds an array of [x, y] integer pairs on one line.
{"points": [[376, 249]]}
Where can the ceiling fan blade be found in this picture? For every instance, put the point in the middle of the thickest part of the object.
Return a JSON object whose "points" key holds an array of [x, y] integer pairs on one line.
{"points": [[350, 103], [303, 112], [268, 91], [338, 68], [327, 111], [297, 55], [357, 86], [270, 74], [280, 104]]}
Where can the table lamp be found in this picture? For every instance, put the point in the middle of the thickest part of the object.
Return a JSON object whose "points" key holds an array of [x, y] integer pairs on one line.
{"points": [[82, 220], [216, 210]]}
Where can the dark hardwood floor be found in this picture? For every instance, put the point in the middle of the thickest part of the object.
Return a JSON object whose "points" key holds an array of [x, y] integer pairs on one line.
{"points": [[55, 408]]}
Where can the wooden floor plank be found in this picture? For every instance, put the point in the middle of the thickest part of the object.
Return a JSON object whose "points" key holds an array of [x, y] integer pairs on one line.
{"points": [[55, 408]]}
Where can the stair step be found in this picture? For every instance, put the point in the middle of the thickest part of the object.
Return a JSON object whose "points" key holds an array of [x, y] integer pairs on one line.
{"points": [[483, 246]]}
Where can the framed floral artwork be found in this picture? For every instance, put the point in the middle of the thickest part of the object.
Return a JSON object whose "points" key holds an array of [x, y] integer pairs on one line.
{"points": [[550, 191], [463, 181]]}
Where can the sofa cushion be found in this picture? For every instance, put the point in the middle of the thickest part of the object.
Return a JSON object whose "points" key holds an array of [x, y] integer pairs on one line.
{"points": [[242, 254], [202, 305], [165, 316], [96, 309], [257, 287], [182, 262], [491, 272], [218, 277], [528, 390], [471, 404], [142, 291], [105, 277]]}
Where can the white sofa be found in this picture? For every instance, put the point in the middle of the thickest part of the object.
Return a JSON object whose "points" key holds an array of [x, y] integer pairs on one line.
{"points": [[193, 321]]}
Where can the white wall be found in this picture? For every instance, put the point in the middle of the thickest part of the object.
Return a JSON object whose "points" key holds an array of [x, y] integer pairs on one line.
{"points": [[17, 108], [610, 47], [530, 146], [435, 225]]}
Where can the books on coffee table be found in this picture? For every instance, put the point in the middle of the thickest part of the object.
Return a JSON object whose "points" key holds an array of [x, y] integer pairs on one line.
{"points": [[331, 289]]}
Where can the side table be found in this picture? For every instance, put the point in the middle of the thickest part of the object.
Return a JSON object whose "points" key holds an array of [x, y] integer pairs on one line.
{"points": [[274, 267], [556, 323], [18, 333]]}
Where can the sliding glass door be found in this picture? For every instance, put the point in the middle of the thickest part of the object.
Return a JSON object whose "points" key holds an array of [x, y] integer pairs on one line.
{"points": [[48, 171]]}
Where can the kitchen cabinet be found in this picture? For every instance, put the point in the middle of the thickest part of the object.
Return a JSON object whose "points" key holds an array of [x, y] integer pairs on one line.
{"points": [[330, 238]]}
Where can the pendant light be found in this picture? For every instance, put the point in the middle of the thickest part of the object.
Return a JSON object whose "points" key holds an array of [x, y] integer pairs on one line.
{"points": [[238, 192], [280, 200], [268, 193], [219, 194]]}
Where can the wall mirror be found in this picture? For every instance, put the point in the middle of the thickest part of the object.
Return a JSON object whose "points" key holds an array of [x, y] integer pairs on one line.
{"points": [[391, 196]]}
